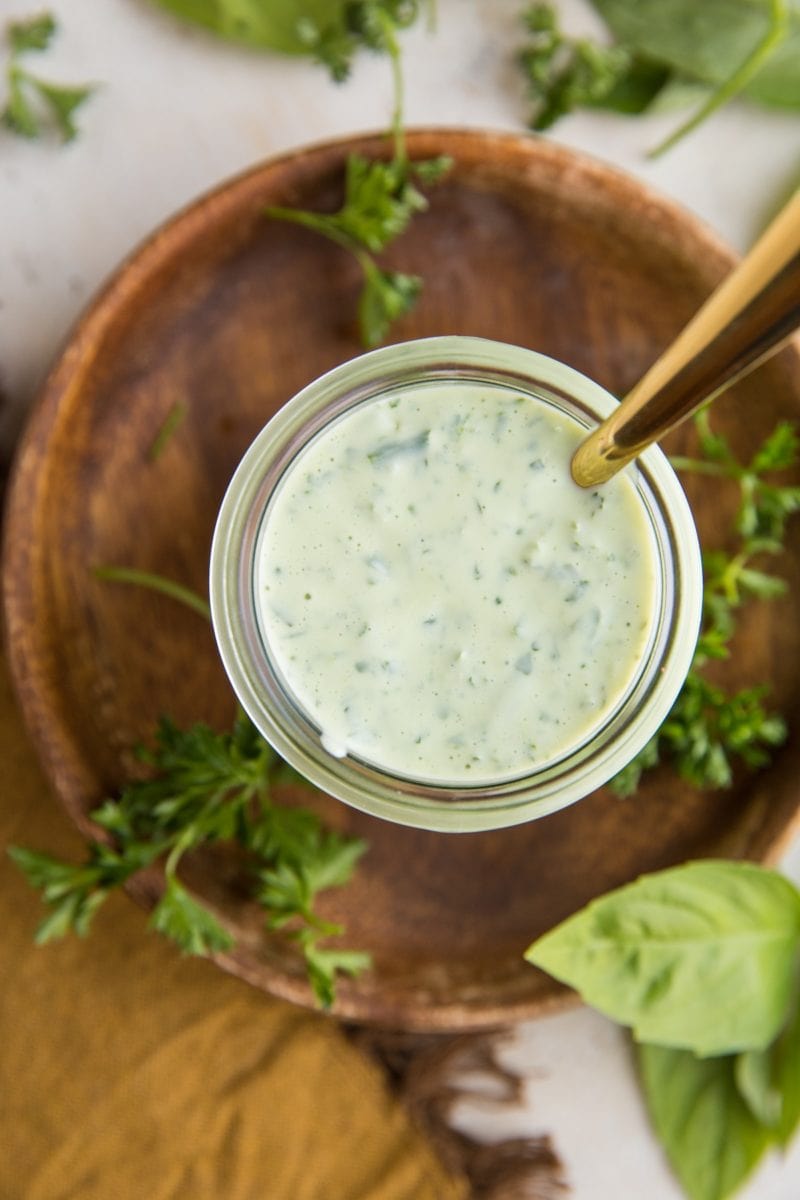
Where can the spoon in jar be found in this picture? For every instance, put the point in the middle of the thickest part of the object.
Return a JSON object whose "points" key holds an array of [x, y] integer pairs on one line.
{"points": [[753, 312]]}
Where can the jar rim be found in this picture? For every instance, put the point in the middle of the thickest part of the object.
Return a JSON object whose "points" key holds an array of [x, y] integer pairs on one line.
{"points": [[379, 792]]}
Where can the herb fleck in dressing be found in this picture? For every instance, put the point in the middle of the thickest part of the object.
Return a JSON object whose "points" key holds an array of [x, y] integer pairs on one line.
{"points": [[441, 598]]}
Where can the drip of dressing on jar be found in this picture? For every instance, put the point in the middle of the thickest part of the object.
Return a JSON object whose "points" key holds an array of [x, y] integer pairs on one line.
{"points": [[439, 596]]}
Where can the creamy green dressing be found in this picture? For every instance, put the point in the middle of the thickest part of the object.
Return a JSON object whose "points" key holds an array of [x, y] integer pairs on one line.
{"points": [[439, 596]]}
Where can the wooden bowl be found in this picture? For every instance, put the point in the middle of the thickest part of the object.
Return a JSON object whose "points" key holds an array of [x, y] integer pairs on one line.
{"points": [[230, 314]]}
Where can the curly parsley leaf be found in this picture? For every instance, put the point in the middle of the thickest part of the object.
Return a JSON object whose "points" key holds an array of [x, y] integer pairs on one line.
{"points": [[206, 787], [360, 24], [565, 73], [32, 33], [380, 197], [18, 115], [32, 103], [764, 506], [708, 729], [380, 200], [190, 924], [385, 297], [61, 102], [325, 964], [74, 893]]}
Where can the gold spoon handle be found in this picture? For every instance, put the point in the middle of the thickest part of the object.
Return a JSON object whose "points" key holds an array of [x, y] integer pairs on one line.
{"points": [[747, 318]]}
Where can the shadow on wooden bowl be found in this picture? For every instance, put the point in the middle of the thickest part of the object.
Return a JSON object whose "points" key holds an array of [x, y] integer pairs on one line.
{"points": [[229, 314]]}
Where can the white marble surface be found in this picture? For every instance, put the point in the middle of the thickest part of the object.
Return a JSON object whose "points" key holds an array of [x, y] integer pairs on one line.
{"points": [[176, 113]]}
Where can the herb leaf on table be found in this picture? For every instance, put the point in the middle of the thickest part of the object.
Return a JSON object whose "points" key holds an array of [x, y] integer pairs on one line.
{"points": [[712, 1139], [565, 73], [32, 33], [705, 53], [361, 24], [711, 41], [702, 963], [30, 97], [380, 198]]}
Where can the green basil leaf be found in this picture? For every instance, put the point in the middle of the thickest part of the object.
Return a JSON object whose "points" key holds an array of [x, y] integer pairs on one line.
{"points": [[263, 24], [701, 957], [787, 1078], [778, 81], [705, 41], [710, 1136], [753, 1075], [708, 41]]}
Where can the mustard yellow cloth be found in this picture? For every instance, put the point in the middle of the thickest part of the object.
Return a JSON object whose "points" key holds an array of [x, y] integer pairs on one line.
{"points": [[130, 1073]]}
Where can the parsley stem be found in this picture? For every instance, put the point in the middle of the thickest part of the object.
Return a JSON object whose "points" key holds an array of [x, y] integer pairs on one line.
{"points": [[317, 222], [173, 419], [156, 583], [730, 87], [393, 50], [700, 467], [398, 127], [180, 847]]}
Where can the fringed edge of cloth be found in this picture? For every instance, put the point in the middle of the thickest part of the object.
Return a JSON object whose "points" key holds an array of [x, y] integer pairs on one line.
{"points": [[431, 1074]]}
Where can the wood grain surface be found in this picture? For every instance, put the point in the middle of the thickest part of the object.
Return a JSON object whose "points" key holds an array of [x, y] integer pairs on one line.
{"points": [[230, 314]]}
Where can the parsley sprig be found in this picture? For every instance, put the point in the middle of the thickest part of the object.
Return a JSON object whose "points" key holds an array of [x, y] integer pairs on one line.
{"points": [[32, 100], [564, 73], [205, 787], [707, 728], [380, 197], [361, 24]]}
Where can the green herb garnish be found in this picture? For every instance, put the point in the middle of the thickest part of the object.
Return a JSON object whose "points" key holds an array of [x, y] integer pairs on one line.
{"points": [[207, 787], [358, 25], [708, 728], [701, 962], [31, 100], [155, 583], [380, 197], [565, 73], [176, 415]]}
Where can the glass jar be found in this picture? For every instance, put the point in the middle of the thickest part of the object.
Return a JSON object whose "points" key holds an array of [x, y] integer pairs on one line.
{"points": [[268, 699]]}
